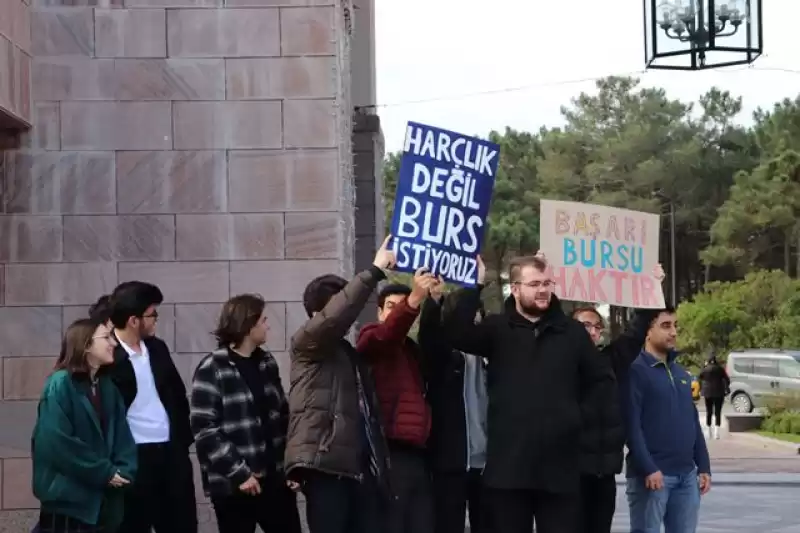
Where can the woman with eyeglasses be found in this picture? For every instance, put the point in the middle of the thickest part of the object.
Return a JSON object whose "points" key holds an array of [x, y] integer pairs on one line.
{"points": [[83, 452]]}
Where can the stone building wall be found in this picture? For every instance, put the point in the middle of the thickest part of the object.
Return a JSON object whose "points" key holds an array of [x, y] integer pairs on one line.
{"points": [[202, 145], [15, 66]]}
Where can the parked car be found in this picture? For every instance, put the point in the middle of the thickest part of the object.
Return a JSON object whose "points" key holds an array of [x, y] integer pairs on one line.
{"points": [[757, 375]]}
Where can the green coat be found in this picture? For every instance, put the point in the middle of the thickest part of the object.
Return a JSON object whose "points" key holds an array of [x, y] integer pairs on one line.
{"points": [[73, 460]]}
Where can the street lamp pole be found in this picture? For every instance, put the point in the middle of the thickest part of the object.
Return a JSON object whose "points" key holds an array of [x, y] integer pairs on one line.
{"points": [[672, 273]]}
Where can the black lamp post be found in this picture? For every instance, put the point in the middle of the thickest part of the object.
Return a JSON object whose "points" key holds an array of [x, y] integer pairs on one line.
{"points": [[701, 34]]}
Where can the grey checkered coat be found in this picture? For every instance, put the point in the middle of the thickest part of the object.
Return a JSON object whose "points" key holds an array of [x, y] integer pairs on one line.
{"points": [[229, 438]]}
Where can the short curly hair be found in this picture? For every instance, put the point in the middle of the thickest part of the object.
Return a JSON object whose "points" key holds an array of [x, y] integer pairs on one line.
{"points": [[390, 290]]}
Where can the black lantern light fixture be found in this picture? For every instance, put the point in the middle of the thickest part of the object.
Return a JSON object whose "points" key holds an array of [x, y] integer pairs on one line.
{"points": [[701, 34]]}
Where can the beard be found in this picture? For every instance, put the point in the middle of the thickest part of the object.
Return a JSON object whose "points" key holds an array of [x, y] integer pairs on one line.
{"points": [[531, 308], [664, 346]]}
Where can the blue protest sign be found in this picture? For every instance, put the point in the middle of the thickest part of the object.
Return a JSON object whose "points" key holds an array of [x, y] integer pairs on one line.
{"points": [[443, 194]]}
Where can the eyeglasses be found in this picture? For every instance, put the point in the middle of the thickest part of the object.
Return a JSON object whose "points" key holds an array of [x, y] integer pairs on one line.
{"points": [[549, 284], [153, 315], [593, 326], [108, 337]]}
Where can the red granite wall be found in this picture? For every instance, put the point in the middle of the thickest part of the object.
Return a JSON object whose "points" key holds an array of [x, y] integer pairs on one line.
{"points": [[15, 65], [203, 145]]}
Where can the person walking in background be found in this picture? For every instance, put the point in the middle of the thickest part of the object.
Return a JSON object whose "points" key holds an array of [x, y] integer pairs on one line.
{"points": [[459, 403], [397, 366], [668, 464], [542, 366], [163, 496], [336, 451], [715, 385], [83, 452], [239, 416]]}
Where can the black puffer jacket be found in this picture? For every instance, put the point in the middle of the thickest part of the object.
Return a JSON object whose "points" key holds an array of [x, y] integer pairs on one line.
{"points": [[448, 443], [714, 381], [603, 434], [539, 374]]}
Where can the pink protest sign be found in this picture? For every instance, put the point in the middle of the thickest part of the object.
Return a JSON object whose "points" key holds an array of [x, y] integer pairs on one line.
{"points": [[602, 254]]}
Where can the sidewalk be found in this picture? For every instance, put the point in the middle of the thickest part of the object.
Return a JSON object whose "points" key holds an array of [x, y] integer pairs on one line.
{"points": [[770, 479], [751, 460]]}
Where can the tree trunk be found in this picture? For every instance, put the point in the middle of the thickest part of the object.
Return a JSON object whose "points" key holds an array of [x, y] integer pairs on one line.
{"points": [[787, 255], [797, 258], [496, 258], [616, 317], [498, 281]]}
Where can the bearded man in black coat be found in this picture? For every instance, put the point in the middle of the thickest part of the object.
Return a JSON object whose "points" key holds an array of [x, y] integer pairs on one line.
{"points": [[542, 368]]}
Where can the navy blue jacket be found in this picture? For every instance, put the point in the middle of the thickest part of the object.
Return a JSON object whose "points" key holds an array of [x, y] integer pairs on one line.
{"points": [[664, 431]]}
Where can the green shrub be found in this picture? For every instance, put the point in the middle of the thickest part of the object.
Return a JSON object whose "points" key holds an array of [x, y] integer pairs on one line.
{"points": [[783, 422], [781, 402]]}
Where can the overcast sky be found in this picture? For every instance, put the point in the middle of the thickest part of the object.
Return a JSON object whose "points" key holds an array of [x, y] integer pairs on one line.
{"points": [[443, 49]]}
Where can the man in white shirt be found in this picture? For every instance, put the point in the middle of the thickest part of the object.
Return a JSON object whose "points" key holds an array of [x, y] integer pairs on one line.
{"points": [[162, 497]]}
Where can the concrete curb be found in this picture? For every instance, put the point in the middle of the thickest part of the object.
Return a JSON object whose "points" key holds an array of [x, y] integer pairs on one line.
{"points": [[755, 438]]}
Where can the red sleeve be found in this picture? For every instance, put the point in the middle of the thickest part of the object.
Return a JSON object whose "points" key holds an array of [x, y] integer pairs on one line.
{"points": [[393, 330]]}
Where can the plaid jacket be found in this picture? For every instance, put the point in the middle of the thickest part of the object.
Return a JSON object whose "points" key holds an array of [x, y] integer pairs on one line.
{"points": [[230, 437]]}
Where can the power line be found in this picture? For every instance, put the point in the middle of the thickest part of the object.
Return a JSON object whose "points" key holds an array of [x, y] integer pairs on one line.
{"points": [[528, 87]]}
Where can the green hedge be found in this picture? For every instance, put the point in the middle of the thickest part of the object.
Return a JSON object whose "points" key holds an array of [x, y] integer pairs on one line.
{"points": [[785, 422], [782, 414]]}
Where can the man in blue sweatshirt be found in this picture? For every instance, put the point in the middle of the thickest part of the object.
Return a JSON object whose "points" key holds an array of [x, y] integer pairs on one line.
{"points": [[668, 465]]}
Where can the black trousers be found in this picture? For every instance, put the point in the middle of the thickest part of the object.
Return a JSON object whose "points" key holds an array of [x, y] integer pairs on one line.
{"points": [[514, 511], [336, 504], [598, 503], [714, 405], [274, 510], [59, 523], [162, 496], [411, 511], [453, 494]]}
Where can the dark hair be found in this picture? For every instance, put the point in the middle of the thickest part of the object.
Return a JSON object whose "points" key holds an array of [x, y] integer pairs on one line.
{"points": [[132, 299], [651, 315], [239, 315], [390, 290], [518, 263], [101, 309], [76, 341], [587, 309], [319, 292]]}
